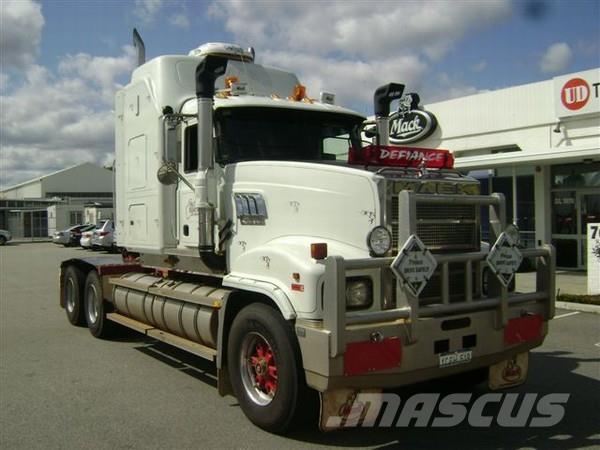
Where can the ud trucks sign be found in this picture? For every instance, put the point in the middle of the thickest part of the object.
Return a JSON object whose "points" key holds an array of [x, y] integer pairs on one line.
{"points": [[577, 93]]}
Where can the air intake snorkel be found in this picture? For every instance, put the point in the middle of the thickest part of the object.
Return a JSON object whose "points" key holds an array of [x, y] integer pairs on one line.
{"points": [[207, 71], [384, 95]]}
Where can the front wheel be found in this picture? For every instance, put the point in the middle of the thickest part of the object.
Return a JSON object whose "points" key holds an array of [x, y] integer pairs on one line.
{"points": [[2, 240], [96, 308], [263, 360]]}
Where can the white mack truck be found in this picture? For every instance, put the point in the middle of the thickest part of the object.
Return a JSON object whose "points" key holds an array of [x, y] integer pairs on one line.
{"points": [[253, 237]]}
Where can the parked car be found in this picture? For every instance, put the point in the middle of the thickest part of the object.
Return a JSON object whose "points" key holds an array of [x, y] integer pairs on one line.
{"points": [[86, 238], [76, 234], [5, 236], [64, 237], [103, 237]]}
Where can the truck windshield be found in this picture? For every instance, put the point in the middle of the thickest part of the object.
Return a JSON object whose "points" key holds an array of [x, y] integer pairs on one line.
{"points": [[250, 134]]}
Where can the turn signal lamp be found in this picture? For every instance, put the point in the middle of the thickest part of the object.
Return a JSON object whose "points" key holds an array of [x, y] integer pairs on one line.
{"points": [[318, 250], [299, 92]]}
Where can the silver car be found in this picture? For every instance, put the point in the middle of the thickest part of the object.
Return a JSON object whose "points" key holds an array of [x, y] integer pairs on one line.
{"points": [[5, 236], [86, 238], [64, 237], [103, 237]]}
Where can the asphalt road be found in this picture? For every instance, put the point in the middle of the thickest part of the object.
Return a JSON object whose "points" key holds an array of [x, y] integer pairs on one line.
{"points": [[61, 388]]}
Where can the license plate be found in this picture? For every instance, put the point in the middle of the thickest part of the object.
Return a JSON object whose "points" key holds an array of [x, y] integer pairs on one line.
{"points": [[455, 358]]}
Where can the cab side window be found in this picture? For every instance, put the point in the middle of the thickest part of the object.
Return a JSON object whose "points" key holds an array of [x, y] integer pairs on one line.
{"points": [[190, 149]]}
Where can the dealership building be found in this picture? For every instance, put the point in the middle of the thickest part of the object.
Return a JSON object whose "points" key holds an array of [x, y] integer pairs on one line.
{"points": [[539, 145], [38, 207]]}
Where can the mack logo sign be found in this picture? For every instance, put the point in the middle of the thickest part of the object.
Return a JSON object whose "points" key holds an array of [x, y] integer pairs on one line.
{"points": [[410, 123]]}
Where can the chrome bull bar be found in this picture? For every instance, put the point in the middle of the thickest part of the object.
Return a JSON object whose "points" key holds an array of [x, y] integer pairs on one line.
{"points": [[336, 318]]}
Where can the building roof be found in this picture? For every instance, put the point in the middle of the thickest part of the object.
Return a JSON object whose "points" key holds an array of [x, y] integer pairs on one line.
{"points": [[49, 175]]}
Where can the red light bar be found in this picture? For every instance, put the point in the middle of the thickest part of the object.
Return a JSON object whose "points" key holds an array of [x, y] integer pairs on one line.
{"points": [[389, 155]]}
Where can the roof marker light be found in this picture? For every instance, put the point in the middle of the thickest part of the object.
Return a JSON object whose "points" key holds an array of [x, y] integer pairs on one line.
{"points": [[229, 81], [318, 250], [299, 93]]}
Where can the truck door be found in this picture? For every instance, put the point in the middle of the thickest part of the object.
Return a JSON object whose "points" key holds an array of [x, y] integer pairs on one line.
{"points": [[188, 166]]}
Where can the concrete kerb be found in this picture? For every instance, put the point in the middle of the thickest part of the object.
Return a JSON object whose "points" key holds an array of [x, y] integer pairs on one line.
{"points": [[581, 307]]}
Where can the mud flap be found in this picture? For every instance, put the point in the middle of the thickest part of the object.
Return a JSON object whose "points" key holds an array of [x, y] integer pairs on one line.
{"points": [[510, 372], [343, 408]]}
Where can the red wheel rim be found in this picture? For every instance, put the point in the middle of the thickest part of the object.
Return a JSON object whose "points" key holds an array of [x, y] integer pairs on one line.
{"points": [[264, 366], [258, 369]]}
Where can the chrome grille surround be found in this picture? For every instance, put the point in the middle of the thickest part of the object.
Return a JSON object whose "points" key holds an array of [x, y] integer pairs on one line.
{"points": [[442, 228]]}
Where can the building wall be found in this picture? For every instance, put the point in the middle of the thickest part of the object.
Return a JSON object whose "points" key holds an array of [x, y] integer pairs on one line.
{"points": [[23, 208], [530, 131], [32, 189], [86, 178], [522, 118]]}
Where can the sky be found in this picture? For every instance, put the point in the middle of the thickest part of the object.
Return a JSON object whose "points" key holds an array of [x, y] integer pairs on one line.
{"points": [[61, 61]]}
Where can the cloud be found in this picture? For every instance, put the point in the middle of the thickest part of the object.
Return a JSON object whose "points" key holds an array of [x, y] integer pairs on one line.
{"points": [[101, 71], [54, 120], [179, 20], [351, 80], [4, 81], [146, 10], [20, 33], [350, 48], [372, 29], [556, 58], [479, 66]]}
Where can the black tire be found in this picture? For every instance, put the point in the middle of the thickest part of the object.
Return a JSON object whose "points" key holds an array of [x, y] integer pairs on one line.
{"points": [[96, 308], [72, 295], [2, 240], [274, 410]]}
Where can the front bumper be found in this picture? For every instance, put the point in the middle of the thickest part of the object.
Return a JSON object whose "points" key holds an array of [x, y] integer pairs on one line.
{"points": [[423, 332]]}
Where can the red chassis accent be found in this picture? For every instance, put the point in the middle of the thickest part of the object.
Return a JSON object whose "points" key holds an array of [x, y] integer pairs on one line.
{"points": [[361, 357], [523, 329]]}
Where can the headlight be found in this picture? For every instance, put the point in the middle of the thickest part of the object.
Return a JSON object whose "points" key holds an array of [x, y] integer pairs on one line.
{"points": [[379, 241], [359, 293]]}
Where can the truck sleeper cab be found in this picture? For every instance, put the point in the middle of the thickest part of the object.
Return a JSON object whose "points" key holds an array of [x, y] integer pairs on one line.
{"points": [[249, 241]]}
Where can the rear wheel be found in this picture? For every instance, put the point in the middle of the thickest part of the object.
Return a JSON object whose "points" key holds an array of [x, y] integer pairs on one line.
{"points": [[264, 367], [2, 240], [73, 295], [96, 308]]}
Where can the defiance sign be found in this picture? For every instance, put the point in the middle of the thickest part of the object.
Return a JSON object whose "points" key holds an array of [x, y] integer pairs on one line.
{"points": [[387, 155]]}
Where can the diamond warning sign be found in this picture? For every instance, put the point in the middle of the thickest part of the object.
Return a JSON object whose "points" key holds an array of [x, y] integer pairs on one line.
{"points": [[414, 265], [504, 259]]}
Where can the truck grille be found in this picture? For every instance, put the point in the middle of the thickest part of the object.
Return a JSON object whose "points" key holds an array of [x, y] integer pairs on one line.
{"points": [[443, 227], [432, 292]]}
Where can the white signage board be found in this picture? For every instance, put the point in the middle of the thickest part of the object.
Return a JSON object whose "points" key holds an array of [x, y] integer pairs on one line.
{"points": [[504, 258], [577, 93], [414, 265], [593, 258]]}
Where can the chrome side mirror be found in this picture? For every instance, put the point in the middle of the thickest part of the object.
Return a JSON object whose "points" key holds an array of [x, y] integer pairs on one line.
{"points": [[168, 175]]}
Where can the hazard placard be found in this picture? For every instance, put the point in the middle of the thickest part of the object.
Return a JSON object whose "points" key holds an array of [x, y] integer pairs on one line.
{"points": [[504, 259], [414, 265]]}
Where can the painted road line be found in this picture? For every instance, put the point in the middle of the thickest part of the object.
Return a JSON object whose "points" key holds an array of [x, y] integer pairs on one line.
{"points": [[566, 315]]}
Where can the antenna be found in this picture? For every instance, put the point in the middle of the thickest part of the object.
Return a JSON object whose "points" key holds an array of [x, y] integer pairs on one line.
{"points": [[139, 46]]}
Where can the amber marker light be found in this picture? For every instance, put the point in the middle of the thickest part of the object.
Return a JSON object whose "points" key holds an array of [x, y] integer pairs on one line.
{"points": [[299, 92], [229, 81], [318, 250]]}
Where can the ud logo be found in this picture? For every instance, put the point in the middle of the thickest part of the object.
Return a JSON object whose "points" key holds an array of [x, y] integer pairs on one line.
{"points": [[410, 123]]}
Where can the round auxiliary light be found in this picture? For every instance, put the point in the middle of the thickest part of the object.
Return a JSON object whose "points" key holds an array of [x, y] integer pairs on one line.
{"points": [[379, 241]]}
